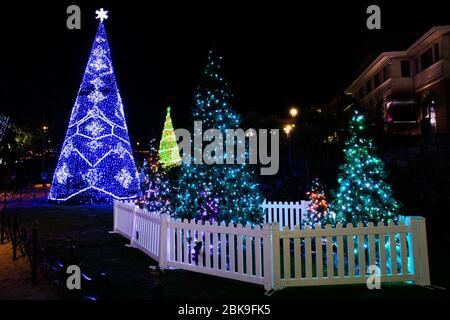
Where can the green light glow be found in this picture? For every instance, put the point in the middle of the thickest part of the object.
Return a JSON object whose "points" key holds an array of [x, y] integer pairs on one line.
{"points": [[169, 154]]}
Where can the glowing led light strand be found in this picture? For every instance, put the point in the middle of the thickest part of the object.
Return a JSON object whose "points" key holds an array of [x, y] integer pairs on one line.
{"points": [[318, 213], [96, 162], [363, 195], [228, 193], [155, 184], [169, 154]]}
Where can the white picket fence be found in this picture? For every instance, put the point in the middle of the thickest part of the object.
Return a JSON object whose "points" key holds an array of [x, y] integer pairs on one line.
{"points": [[280, 257], [286, 214]]}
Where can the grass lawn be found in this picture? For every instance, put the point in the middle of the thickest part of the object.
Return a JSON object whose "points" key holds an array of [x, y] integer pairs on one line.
{"points": [[128, 269]]}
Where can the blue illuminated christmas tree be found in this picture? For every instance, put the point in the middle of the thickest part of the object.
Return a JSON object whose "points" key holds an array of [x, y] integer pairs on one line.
{"points": [[96, 163], [217, 192]]}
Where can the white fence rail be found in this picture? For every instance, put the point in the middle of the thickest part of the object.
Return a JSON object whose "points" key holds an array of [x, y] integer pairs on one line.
{"points": [[278, 257]]}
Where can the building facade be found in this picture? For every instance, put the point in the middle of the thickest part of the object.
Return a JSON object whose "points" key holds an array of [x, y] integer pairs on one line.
{"points": [[408, 92]]}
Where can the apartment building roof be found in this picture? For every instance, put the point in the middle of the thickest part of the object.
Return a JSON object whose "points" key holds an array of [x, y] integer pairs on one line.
{"points": [[415, 49]]}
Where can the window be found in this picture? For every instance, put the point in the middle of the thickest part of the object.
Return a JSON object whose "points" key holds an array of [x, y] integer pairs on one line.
{"points": [[404, 65], [368, 87], [361, 93], [426, 59], [386, 73], [437, 55], [401, 111], [376, 80]]}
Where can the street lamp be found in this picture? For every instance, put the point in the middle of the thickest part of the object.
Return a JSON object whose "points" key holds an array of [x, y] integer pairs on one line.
{"points": [[137, 151], [293, 112], [287, 129], [44, 147]]}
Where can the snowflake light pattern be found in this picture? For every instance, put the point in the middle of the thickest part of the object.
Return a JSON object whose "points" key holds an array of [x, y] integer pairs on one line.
{"points": [[95, 128], [92, 177], [96, 97], [62, 174], [94, 145], [124, 178]]}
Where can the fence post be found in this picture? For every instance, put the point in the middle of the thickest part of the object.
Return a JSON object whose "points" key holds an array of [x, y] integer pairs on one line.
{"points": [[271, 256], [164, 241], [115, 215], [420, 249], [133, 235], [304, 208]]}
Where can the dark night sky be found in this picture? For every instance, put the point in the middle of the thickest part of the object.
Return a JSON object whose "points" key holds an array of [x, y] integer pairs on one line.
{"points": [[275, 54]]}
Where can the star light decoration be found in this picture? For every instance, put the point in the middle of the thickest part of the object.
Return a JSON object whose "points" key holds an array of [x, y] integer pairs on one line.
{"points": [[96, 162], [101, 14]]}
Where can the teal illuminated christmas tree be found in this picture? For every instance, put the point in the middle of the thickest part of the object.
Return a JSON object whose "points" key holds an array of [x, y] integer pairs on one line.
{"points": [[363, 195], [217, 192]]}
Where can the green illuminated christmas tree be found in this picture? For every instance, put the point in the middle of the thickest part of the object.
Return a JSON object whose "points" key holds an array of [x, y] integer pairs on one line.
{"points": [[169, 154], [363, 195], [217, 192]]}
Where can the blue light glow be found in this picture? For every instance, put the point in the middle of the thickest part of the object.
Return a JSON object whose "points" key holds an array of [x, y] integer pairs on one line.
{"points": [[96, 163]]}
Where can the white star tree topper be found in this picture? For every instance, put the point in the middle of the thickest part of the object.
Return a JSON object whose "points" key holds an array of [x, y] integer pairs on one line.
{"points": [[101, 14]]}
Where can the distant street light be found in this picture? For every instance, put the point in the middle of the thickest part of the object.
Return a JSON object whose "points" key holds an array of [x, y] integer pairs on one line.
{"points": [[293, 112], [287, 129]]}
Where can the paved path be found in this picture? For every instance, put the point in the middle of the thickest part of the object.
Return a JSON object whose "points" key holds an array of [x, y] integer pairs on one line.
{"points": [[15, 279]]}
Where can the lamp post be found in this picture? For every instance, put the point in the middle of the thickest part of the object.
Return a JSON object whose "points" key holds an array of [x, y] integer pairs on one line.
{"points": [[44, 140], [44, 147], [288, 129], [137, 152]]}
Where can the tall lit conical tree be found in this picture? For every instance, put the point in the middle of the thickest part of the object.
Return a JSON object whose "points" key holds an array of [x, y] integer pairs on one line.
{"points": [[169, 153], [96, 162], [363, 195], [217, 192]]}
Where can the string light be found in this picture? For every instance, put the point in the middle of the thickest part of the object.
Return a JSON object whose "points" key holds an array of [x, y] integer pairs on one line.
{"points": [[154, 184], [169, 154], [363, 194], [216, 192], [96, 162], [318, 213]]}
